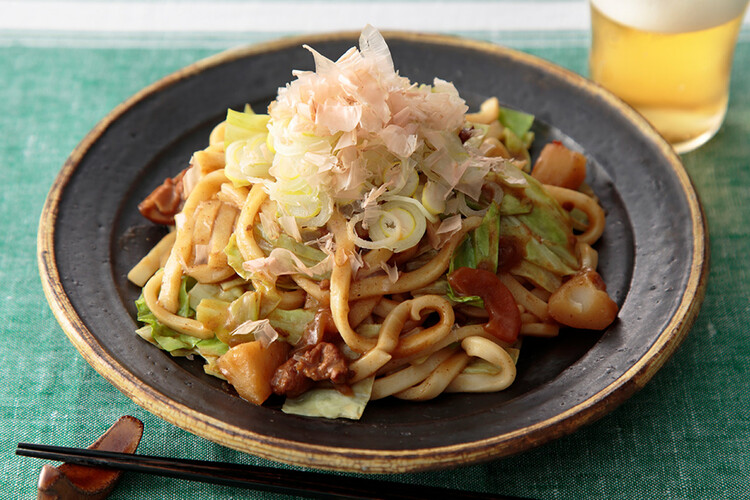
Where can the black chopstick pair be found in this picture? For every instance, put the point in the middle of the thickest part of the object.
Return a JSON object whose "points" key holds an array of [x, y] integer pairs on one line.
{"points": [[290, 482]]}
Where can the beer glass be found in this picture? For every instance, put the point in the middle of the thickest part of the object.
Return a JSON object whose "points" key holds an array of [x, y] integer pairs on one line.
{"points": [[669, 59]]}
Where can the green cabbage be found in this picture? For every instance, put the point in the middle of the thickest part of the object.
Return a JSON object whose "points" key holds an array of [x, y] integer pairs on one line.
{"points": [[293, 322], [478, 250], [517, 121], [330, 403], [235, 258], [177, 344], [529, 215], [244, 125]]}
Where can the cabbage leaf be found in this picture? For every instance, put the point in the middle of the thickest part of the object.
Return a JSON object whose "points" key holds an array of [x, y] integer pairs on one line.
{"points": [[330, 403]]}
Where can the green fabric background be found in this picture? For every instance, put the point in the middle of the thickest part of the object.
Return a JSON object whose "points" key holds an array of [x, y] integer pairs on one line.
{"points": [[685, 435]]}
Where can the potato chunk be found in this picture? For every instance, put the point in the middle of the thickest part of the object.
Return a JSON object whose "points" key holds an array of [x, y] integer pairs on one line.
{"points": [[249, 367]]}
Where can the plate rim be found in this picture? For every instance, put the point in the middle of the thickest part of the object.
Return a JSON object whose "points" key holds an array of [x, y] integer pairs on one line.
{"points": [[368, 460]]}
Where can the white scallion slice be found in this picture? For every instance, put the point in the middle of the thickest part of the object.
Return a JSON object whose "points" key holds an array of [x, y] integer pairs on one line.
{"points": [[247, 159], [434, 196], [395, 225]]}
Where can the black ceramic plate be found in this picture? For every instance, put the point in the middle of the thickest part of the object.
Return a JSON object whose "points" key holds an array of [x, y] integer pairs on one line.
{"points": [[652, 256]]}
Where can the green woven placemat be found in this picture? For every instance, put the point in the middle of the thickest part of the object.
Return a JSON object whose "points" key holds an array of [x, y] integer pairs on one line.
{"points": [[685, 435]]}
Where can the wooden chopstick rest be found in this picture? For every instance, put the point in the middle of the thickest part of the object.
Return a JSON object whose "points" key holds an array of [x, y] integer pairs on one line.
{"points": [[81, 482]]}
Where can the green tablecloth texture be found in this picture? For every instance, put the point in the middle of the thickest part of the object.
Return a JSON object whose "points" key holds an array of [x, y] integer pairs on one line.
{"points": [[685, 435]]}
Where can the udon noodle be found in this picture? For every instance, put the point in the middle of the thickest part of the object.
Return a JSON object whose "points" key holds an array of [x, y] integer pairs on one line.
{"points": [[368, 238]]}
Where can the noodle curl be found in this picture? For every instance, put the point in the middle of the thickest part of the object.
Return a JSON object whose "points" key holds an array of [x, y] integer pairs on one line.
{"points": [[318, 248]]}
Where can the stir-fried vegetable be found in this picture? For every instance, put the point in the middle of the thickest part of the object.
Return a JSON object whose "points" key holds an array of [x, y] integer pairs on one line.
{"points": [[373, 232]]}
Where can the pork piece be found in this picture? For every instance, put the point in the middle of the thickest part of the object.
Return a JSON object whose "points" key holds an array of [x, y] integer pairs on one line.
{"points": [[164, 202], [323, 361], [320, 329], [287, 381], [560, 166]]}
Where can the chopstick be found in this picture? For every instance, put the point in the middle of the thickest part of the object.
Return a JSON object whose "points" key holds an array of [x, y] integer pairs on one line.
{"points": [[290, 482]]}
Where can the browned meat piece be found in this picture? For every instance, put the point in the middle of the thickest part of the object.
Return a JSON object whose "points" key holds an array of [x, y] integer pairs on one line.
{"points": [[164, 202], [560, 166], [323, 361], [288, 381], [465, 134], [320, 362], [320, 329]]}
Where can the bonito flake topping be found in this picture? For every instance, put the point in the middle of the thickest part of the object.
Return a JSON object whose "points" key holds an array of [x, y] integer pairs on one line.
{"points": [[356, 136]]}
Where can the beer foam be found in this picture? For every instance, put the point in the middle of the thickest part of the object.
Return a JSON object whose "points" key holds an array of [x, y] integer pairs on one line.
{"points": [[671, 16]]}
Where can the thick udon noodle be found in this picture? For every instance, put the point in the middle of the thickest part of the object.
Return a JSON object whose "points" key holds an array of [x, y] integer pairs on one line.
{"points": [[408, 339]]}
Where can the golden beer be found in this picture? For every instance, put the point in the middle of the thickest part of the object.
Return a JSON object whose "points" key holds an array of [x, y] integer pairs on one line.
{"points": [[673, 67]]}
